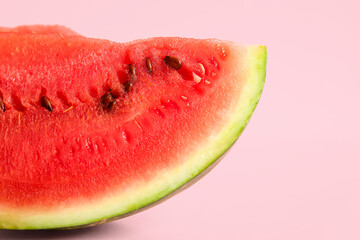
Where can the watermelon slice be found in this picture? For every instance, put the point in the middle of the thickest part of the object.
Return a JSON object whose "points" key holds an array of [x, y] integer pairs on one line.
{"points": [[94, 130]]}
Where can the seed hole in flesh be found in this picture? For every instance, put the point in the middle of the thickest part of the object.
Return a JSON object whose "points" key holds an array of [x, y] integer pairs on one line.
{"points": [[122, 76], [115, 93], [45, 102], [93, 91], [17, 103], [148, 65], [186, 73], [2, 105], [172, 62], [61, 95]]}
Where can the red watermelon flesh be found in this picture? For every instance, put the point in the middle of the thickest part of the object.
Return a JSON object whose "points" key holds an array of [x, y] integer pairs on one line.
{"points": [[90, 131]]}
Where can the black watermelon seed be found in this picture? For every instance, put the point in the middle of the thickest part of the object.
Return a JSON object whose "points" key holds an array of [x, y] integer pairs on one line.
{"points": [[112, 105], [132, 69], [173, 62], [148, 65], [45, 102], [128, 86], [2, 105], [106, 100]]}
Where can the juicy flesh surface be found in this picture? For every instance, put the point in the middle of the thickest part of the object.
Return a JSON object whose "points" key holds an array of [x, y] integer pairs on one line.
{"points": [[80, 150]]}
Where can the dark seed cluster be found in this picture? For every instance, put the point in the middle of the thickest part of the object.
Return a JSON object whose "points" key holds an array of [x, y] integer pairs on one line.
{"points": [[108, 101]]}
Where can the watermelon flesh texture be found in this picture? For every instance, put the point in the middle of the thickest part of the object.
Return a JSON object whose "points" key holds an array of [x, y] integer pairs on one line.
{"points": [[83, 163]]}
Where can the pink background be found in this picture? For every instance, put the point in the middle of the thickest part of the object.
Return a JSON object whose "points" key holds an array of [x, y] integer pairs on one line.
{"points": [[295, 171]]}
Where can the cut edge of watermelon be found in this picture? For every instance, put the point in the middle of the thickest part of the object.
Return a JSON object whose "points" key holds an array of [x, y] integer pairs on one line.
{"points": [[136, 198]]}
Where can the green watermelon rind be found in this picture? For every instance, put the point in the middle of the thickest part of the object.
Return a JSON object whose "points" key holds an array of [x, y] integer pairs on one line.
{"points": [[146, 195]]}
